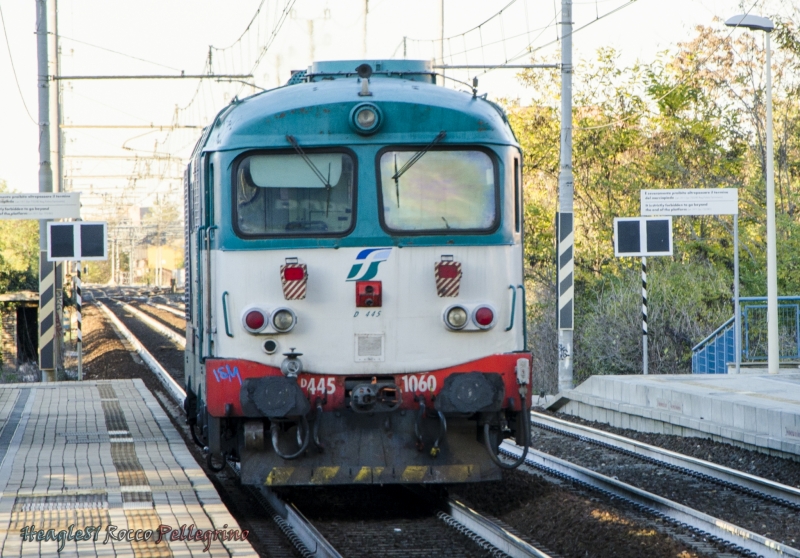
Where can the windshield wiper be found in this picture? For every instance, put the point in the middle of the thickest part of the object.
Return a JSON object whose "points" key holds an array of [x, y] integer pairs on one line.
{"points": [[325, 181], [417, 156]]}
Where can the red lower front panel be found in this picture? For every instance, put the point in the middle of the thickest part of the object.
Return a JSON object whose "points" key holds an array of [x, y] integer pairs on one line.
{"points": [[224, 378]]}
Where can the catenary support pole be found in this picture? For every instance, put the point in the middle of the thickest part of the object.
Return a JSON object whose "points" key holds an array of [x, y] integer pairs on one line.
{"points": [[737, 311], [56, 164], [565, 238], [47, 272], [366, 17], [441, 36], [131, 260], [773, 333], [645, 353]]}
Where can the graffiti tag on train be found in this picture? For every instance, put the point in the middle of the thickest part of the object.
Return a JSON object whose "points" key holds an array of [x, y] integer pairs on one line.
{"points": [[225, 373]]}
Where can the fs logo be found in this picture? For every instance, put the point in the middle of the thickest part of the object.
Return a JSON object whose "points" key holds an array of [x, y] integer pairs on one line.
{"points": [[367, 262]]}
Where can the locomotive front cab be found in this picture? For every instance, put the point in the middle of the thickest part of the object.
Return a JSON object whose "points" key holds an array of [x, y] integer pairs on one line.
{"points": [[356, 298]]}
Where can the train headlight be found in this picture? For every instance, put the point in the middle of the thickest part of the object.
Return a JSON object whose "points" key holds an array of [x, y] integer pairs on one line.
{"points": [[483, 316], [283, 320], [254, 320], [456, 317], [366, 118]]}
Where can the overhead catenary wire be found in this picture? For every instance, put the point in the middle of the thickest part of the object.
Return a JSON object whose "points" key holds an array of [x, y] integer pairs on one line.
{"points": [[13, 68], [504, 39], [475, 28], [60, 36], [245, 52], [530, 50], [530, 47]]}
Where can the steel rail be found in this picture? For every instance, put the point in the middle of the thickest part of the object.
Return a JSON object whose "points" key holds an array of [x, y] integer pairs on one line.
{"points": [[482, 531], [717, 530], [308, 535], [288, 518], [166, 308], [493, 534], [731, 478], [172, 387], [154, 324]]}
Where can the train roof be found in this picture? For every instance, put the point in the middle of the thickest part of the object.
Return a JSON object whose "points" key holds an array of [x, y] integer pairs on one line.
{"points": [[318, 111]]}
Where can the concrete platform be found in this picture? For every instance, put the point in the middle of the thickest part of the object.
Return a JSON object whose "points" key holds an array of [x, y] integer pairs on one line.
{"points": [[85, 462], [755, 411]]}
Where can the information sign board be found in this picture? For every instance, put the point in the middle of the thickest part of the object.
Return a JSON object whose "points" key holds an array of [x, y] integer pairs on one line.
{"points": [[690, 201], [40, 206]]}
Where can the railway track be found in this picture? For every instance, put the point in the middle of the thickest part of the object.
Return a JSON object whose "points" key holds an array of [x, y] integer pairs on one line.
{"points": [[747, 483], [742, 513], [724, 536], [446, 528]]}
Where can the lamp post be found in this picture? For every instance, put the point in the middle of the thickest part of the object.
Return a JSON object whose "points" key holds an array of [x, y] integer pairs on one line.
{"points": [[773, 353]]}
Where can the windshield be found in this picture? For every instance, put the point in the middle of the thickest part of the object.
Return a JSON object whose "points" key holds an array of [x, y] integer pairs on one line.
{"points": [[444, 191], [282, 194]]}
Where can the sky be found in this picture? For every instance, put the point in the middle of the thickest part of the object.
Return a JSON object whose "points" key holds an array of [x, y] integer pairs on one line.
{"points": [[121, 160]]}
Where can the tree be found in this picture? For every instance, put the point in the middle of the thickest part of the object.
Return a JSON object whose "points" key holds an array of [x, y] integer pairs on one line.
{"points": [[693, 118], [19, 253]]}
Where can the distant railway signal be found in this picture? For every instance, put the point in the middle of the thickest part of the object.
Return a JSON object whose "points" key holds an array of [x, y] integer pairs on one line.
{"points": [[77, 241], [642, 236]]}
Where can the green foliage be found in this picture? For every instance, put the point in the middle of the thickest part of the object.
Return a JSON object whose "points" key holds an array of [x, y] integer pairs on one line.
{"points": [[686, 301], [19, 253], [693, 118], [98, 271]]}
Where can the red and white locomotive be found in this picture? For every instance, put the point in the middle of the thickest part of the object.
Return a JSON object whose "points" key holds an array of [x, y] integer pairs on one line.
{"points": [[355, 298]]}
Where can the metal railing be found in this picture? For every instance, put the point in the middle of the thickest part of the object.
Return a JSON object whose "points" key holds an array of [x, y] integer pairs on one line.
{"points": [[713, 354]]}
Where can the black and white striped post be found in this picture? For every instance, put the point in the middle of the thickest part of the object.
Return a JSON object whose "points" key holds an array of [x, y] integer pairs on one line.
{"points": [[78, 301], [643, 237], [644, 315]]}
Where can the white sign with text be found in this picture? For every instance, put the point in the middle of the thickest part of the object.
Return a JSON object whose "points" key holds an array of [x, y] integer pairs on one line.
{"points": [[690, 201], [40, 206]]}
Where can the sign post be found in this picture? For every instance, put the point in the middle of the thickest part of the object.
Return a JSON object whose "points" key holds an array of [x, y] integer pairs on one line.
{"points": [[643, 236], [645, 354], [79, 241], [708, 201]]}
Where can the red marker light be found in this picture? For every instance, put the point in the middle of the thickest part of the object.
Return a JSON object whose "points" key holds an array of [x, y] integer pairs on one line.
{"points": [[448, 270], [368, 294], [293, 274], [484, 317], [254, 320]]}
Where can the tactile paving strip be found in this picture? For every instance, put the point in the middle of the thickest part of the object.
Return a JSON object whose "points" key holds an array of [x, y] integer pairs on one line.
{"points": [[61, 502], [138, 505], [97, 438]]}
